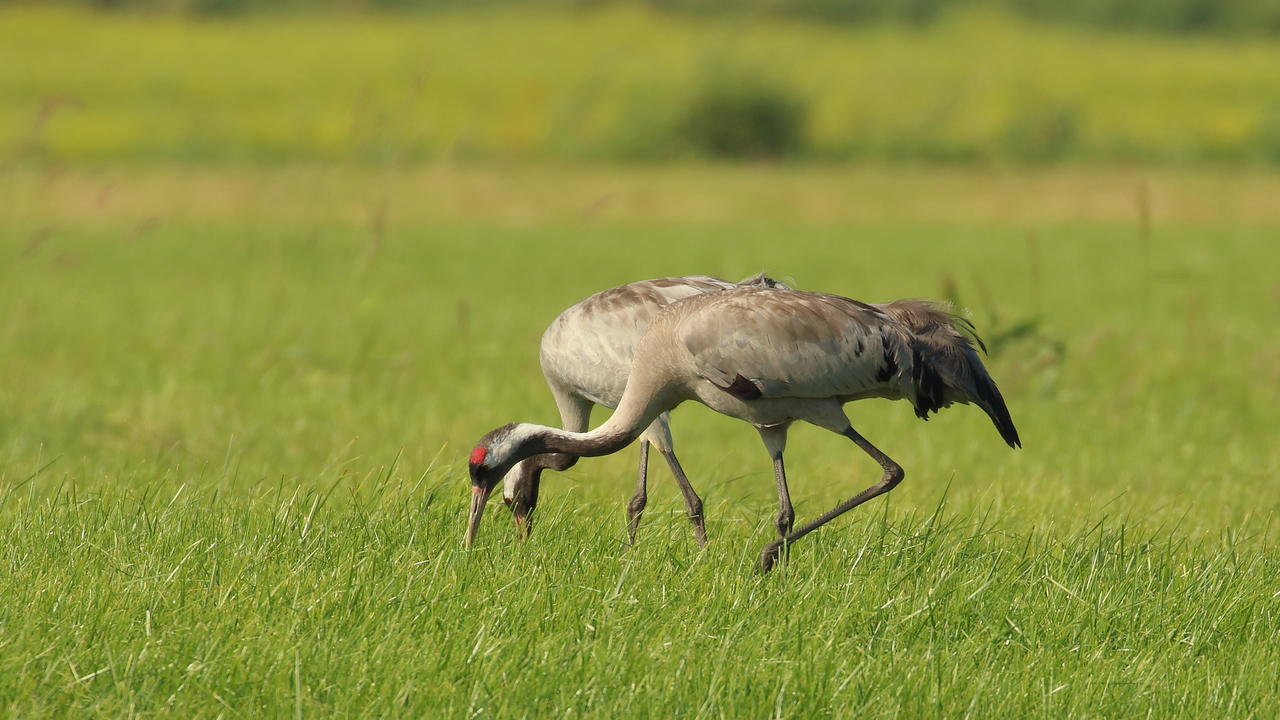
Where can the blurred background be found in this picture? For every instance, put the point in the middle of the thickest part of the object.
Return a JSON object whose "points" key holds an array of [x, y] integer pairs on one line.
{"points": [[826, 81]]}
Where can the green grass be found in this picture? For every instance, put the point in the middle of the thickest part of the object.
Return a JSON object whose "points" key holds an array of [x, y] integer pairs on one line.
{"points": [[614, 83], [232, 478]]}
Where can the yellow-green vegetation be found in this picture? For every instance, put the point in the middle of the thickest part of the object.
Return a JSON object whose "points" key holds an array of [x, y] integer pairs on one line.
{"points": [[232, 442], [619, 83]]}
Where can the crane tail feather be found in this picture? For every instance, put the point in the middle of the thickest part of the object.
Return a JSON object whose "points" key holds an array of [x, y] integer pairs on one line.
{"points": [[945, 364]]}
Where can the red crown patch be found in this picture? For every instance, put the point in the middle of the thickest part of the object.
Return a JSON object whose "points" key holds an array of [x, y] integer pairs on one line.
{"points": [[478, 455]]}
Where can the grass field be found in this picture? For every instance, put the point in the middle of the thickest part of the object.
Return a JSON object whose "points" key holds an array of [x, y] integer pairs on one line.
{"points": [[235, 403], [614, 83]]}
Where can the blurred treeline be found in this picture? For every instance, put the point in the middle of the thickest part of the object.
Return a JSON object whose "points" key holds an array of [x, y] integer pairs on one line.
{"points": [[1231, 16], [630, 83]]}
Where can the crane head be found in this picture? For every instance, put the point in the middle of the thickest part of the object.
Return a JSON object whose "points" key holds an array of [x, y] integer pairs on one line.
{"points": [[493, 457]]}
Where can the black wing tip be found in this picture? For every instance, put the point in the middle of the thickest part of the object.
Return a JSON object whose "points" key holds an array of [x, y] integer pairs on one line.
{"points": [[1004, 423], [1010, 435], [993, 402]]}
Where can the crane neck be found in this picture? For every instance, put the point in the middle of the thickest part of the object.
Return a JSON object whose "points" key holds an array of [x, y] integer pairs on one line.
{"points": [[640, 406]]}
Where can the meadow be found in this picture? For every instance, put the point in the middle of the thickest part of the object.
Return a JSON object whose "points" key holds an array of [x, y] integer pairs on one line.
{"points": [[232, 442], [242, 362]]}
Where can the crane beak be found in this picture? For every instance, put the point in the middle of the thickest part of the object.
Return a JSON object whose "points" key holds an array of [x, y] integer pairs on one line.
{"points": [[479, 496]]}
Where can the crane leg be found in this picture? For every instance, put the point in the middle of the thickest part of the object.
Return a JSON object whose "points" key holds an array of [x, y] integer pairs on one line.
{"points": [[775, 441], [635, 507], [786, 513], [893, 475], [692, 503]]}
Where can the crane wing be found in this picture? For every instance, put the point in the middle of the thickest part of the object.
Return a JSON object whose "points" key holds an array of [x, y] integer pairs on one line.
{"points": [[784, 343]]}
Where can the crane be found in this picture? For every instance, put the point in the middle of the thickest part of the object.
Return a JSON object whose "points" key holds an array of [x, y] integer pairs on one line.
{"points": [[771, 357]]}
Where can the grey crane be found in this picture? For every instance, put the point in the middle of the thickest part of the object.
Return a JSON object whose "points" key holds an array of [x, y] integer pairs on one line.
{"points": [[770, 357], [586, 356]]}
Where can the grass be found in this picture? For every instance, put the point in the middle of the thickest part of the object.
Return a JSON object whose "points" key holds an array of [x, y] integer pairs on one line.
{"points": [[614, 83], [236, 404]]}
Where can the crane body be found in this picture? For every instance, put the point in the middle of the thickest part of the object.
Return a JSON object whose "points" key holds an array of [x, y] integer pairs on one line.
{"points": [[771, 356]]}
